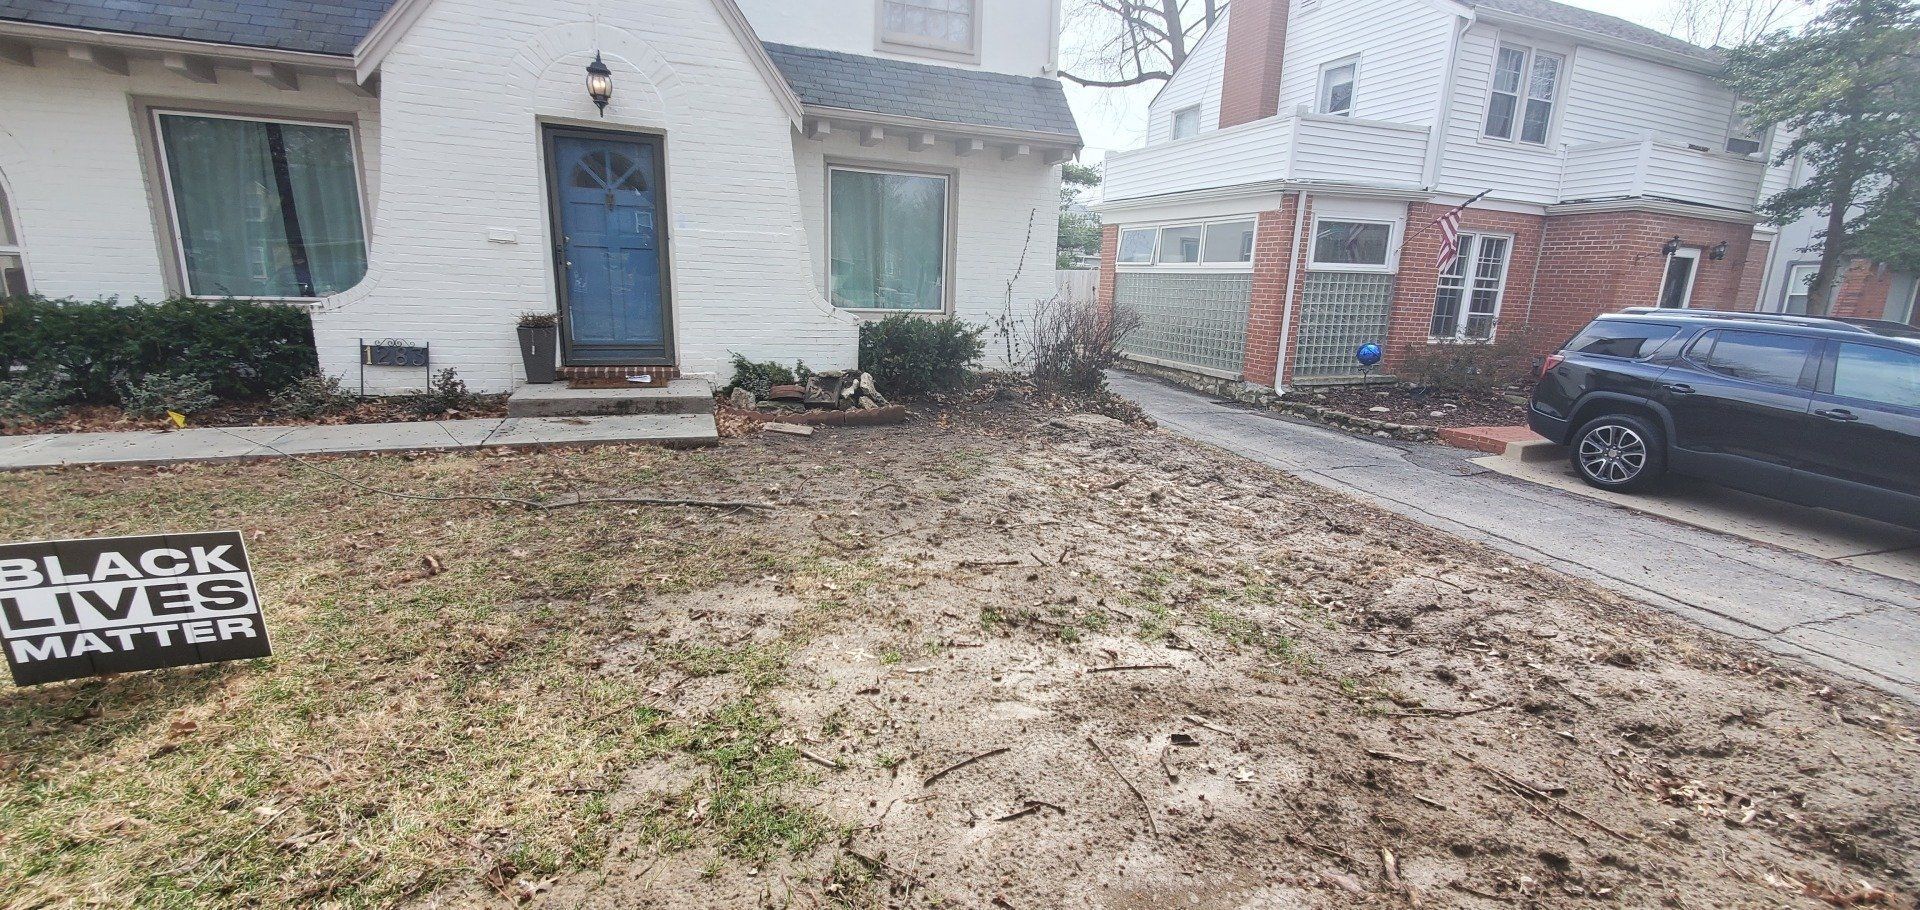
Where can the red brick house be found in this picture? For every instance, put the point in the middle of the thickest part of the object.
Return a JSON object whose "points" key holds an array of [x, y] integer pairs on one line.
{"points": [[1284, 209]]}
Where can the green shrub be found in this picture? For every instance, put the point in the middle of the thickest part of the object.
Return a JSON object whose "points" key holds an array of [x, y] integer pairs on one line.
{"points": [[30, 400], [312, 396], [759, 377], [241, 349], [155, 394], [914, 355]]}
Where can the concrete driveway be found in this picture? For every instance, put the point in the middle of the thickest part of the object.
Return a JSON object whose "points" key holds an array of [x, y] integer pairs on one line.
{"points": [[1855, 623]]}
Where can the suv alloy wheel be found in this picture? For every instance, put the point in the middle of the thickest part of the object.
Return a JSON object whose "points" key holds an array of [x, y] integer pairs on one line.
{"points": [[1619, 452]]}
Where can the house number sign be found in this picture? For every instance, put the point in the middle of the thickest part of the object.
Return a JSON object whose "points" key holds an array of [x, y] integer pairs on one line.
{"points": [[76, 608]]}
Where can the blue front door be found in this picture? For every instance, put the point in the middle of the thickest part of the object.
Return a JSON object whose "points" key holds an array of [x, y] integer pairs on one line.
{"points": [[609, 221]]}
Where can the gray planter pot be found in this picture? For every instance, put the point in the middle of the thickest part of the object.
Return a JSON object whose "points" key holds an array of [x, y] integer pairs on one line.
{"points": [[537, 347]]}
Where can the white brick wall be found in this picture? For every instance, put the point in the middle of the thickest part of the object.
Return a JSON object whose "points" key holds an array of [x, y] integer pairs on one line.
{"points": [[453, 147], [1007, 214]]}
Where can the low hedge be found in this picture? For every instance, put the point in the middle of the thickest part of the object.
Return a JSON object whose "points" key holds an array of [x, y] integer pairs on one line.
{"points": [[240, 349], [912, 356]]}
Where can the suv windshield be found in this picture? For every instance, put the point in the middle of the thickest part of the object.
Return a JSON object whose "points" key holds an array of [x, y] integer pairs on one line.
{"points": [[1618, 338]]}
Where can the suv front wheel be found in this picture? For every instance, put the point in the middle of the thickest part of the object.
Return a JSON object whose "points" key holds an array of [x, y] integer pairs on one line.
{"points": [[1620, 452]]}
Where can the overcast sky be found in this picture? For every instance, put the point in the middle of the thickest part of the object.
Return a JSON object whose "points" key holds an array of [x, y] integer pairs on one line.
{"points": [[1115, 119]]}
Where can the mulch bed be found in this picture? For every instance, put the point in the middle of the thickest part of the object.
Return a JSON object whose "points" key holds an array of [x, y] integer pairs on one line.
{"points": [[1406, 404], [111, 419]]}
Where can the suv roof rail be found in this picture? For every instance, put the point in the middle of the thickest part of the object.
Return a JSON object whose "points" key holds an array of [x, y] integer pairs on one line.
{"points": [[1819, 322]]}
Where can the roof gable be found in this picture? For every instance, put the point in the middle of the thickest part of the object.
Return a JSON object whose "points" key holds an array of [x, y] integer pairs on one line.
{"points": [[1574, 18]]}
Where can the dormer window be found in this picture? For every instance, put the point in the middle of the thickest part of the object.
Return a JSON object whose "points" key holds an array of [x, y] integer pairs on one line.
{"points": [[1525, 83], [1186, 122], [940, 28]]}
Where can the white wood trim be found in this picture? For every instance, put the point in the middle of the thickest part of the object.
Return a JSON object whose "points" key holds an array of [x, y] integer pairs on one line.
{"points": [[191, 67]]}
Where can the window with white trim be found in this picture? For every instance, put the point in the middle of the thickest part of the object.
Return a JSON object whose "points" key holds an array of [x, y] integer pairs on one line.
{"points": [[13, 259], [1354, 246], [1799, 288], [948, 26], [1466, 302], [262, 208], [1136, 246], [1525, 84], [1336, 87], [1225, 243], [1186, 122], [887, 240]]}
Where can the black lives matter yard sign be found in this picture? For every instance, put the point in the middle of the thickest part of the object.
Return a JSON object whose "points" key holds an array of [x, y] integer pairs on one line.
{"points": [[74, 608]]}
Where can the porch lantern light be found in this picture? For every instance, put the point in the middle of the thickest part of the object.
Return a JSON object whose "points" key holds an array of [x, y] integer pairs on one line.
{"points": [[1718, 252], [599, 83], [1671, 247]]}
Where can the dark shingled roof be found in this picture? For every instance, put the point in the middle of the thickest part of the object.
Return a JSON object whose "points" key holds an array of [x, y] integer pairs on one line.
{"points": [[1586, 20], [943, 93], [315, 26]]}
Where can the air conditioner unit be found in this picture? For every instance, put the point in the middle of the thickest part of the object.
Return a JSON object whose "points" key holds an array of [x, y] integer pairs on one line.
{"points": [[1741, 145]]}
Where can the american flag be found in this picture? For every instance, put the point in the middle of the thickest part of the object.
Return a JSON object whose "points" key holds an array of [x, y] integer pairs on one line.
{"points": [[1449, 240], [1450, 232]]}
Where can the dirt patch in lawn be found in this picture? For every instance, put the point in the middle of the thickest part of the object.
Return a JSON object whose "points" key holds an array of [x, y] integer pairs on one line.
{"points": [[999, 657], [1420, 407]]}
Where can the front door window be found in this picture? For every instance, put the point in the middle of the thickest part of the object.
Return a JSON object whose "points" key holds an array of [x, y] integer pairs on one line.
{"points": [[1676, 290]]}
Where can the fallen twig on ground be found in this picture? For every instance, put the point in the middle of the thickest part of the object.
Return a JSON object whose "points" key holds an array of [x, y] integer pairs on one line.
{"points": [[1144, 805], [963, 763]]}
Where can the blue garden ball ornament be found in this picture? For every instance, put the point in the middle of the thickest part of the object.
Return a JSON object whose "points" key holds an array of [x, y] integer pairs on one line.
{"points": [[1368, 355]]}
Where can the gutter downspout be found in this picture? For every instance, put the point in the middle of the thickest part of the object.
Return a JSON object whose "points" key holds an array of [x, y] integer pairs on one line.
{"points": [[1437, 149], [1293, 277]]}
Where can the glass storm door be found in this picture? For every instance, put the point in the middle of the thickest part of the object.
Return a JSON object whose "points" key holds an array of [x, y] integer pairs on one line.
{"points": [[610, 250]]}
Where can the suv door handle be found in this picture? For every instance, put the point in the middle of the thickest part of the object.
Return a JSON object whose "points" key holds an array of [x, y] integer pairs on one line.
{"points": [[1841, 414], [1679, 388]]}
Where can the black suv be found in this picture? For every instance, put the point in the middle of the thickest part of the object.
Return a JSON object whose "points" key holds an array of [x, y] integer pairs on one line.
{"points": [[1824, 412]]}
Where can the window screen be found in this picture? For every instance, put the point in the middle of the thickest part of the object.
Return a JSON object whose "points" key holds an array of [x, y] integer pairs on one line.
{"points": [[1136, 246], [1180, 245], [1351, 243], [1228, 241], [1630, 340], [1754, 356], [1877, 374]]}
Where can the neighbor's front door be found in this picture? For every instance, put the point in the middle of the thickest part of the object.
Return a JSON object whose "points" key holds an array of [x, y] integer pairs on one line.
{"points": [[610, 248]]}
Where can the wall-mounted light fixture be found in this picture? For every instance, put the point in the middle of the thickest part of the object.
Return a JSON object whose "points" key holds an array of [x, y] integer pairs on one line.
{"points": [[1719, 251], [1671, 247], [599, 83]]}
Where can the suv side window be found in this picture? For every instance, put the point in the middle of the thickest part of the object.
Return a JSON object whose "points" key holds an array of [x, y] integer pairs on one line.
{"points": [[1876, 374], [1753, 356], [1629, 340]]}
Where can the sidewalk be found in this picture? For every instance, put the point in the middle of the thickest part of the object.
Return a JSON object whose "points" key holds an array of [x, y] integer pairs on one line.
{"points": [[1859, 624], [237, 443]]}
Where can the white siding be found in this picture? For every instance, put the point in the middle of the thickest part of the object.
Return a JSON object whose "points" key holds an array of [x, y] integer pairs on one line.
{"points": [[1513, 171], [1005, 224], [1402, 46], [1357, 151], [1197, 82], [1614, 97], [1248, 153], [1017, 36]]}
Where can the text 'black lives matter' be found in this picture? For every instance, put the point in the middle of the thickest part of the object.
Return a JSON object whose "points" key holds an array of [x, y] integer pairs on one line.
{"points": [[74, 608]]}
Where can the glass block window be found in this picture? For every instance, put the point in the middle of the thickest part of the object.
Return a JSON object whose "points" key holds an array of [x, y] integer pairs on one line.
{"points": [[1339, 312], [1187, 319], [1465, 307]]}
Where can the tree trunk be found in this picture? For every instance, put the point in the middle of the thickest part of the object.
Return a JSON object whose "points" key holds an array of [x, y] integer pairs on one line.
{"points": [[1833, 247]]}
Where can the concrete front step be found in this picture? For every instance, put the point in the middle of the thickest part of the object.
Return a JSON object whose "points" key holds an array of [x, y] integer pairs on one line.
{"points": [[681, 396]]}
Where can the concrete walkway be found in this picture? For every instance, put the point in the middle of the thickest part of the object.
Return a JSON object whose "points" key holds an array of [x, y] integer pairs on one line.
{"points": [[230, 444], [1854, 623]]}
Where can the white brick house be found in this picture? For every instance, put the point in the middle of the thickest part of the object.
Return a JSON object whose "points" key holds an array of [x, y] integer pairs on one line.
{"points": [[765, 174]]}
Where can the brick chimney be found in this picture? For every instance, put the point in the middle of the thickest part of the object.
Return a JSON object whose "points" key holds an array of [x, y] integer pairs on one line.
{"points": [[1250, 80]]}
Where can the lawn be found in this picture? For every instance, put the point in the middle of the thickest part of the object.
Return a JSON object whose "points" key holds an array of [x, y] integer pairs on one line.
{"points": [[991, 658]]}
